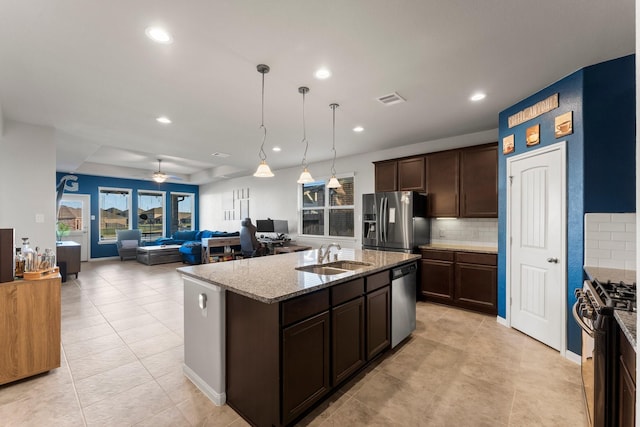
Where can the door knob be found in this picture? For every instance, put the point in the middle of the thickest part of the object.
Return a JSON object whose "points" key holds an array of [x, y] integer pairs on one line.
{"points": [[553, 260]]}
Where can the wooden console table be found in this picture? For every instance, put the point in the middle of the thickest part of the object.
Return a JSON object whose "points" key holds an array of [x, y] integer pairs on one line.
{"points": [[30, 328], [216, 242]]}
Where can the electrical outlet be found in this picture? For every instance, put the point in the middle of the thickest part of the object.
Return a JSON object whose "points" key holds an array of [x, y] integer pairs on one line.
{"points": [[441, 233]]}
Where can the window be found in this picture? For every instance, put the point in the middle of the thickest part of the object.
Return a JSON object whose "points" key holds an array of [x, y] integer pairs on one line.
{"points": [[151, 214], [114, 211], [328, 211], [182, 208]]}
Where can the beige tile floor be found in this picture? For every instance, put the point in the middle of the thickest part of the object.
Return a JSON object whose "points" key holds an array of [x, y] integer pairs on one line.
{"points": [[122, 353]]}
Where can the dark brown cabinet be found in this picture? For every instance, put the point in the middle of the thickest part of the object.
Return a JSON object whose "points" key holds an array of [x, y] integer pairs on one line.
{"points": [[626, 383], [437, 275], [305, 365], [479, 182], [462, 279], [293, 353], [347, 322], [463, 183], [386, 176], [411, 174], [442, 171]]}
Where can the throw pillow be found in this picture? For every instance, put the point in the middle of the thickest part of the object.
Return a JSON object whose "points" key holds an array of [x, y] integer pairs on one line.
{"points": [[127, 244]]}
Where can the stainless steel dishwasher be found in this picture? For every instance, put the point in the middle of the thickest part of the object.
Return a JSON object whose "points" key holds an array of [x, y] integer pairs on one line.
{"points": [[403, 302]]}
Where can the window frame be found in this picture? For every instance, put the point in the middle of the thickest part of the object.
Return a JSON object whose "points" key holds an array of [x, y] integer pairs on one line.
{"points": [[193, 208], [163, 198], [327, 208], [129, 192]]}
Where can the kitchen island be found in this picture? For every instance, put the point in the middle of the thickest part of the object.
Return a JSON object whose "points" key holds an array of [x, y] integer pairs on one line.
{"points": [[272, 340]]}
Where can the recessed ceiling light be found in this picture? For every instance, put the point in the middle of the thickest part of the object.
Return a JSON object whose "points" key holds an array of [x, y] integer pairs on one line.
{"points": [[358, 129], [276, 149], [164, 120], [159, 35], [322, 73], [478, 96]]}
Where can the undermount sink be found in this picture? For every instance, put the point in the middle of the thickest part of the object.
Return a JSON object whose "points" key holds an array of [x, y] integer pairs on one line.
{"points": [[336, 267]]}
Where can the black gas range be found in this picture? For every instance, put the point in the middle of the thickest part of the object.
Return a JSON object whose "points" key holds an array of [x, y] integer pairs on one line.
{"points": [[593, 311]]}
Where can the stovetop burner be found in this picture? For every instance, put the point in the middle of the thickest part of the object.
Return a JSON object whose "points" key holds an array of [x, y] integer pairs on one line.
{"points": [[617, 295]]}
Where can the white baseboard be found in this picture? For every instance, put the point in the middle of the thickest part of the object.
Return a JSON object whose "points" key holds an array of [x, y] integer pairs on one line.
{"points": [[218, 398], [575, 358], [502, 321]]}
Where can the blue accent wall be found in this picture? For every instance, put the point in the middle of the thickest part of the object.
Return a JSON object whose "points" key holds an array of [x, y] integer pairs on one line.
{"points": [[88, 184], [600, 160]]}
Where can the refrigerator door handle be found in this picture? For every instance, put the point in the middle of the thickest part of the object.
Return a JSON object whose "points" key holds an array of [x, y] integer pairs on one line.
{"points": [[380, 220], [386, 220]]}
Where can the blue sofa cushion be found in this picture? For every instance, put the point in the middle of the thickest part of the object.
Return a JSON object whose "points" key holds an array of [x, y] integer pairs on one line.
{"points": [[192, 247], [185, 236]]}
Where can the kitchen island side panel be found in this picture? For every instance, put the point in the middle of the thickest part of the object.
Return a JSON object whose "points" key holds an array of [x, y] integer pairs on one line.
{"points": [[253, 359]]}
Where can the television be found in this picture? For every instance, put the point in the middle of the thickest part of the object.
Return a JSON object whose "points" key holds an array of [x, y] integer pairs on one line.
{"points": [[280, 226]]}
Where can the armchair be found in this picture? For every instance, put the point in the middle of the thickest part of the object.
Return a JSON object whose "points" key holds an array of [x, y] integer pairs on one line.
{"points": [[127, 242]]}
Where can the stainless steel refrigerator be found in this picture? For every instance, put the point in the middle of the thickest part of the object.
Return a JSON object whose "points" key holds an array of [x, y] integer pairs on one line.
{"points": [[394, 221]]}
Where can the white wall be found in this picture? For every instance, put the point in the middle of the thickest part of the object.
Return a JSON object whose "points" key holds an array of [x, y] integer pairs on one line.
{"points": [[28, 183], [277, 197]]}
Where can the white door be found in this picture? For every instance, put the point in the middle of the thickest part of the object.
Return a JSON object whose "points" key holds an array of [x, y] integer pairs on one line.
{"points": [[537, 261], [74, 212]]}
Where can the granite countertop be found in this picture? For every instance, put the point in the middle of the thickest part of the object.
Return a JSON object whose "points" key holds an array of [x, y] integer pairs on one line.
{"points": [[627, 320], [461, 247], [274, 278]]}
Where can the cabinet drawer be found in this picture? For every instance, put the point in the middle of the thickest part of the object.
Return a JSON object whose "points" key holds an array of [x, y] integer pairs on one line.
{"points": [[476, 258], [438, 255], [347, 291], [378, 280], [628, 355], [304, 306]]}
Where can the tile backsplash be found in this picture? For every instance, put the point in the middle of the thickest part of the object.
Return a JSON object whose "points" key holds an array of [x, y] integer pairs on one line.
{"points": [[466, 231], [610, 240]]}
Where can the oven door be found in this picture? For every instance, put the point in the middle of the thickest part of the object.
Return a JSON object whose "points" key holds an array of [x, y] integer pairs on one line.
{"points": [[587, 366]]}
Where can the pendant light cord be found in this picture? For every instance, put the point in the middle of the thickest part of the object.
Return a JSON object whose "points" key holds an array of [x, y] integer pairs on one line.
{"points": [[304, 131], [333, 165], [262, 154]]}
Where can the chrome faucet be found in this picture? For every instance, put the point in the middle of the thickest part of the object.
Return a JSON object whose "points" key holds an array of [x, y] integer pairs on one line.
{"points": [[325, 257]]}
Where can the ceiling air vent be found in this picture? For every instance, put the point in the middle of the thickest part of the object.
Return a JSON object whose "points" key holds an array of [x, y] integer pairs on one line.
{"points": [[219, 154], [392, 98]]}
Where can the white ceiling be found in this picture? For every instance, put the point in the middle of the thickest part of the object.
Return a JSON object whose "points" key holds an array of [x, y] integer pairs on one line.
{"points": [[87, 69]]}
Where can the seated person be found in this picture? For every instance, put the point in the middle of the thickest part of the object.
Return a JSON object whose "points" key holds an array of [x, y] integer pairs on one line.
{"points": [[248, 240]]}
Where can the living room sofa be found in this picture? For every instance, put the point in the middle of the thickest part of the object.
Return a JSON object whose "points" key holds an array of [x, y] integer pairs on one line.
{"points": [[191, 243]]}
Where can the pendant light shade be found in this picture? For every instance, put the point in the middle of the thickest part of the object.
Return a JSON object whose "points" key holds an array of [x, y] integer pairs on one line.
{"points": [[305, 176], [333, 182], [159, 177], [263, 171]]}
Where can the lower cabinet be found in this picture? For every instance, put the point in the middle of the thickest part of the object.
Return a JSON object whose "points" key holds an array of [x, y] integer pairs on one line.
{"points": [[305, 364], [463, 279], [29, 328], [347, 322], [281, 359], [626, 383]]}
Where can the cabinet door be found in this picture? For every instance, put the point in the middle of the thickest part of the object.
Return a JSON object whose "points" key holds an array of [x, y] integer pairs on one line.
{"points": [[411, 174], [386, 178], [442, 184], [436, 280], [479, 182], [305, 365], [30, 330], [378, 321], [347, 323], [627, 399], [476, 287]]}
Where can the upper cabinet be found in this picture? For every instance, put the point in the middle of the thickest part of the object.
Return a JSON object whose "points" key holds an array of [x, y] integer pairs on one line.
{"points": [[442, 184], [386, 176], [401, 175], [479, 182]]}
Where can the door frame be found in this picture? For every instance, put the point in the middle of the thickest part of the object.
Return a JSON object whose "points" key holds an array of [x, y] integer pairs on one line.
{"points": [[562, 146], [87, 216]]}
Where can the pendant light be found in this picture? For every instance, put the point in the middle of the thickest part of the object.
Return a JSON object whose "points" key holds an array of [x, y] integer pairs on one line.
{"points": [[305, 176], [333, 182], [263, 171], [159, 177]]}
